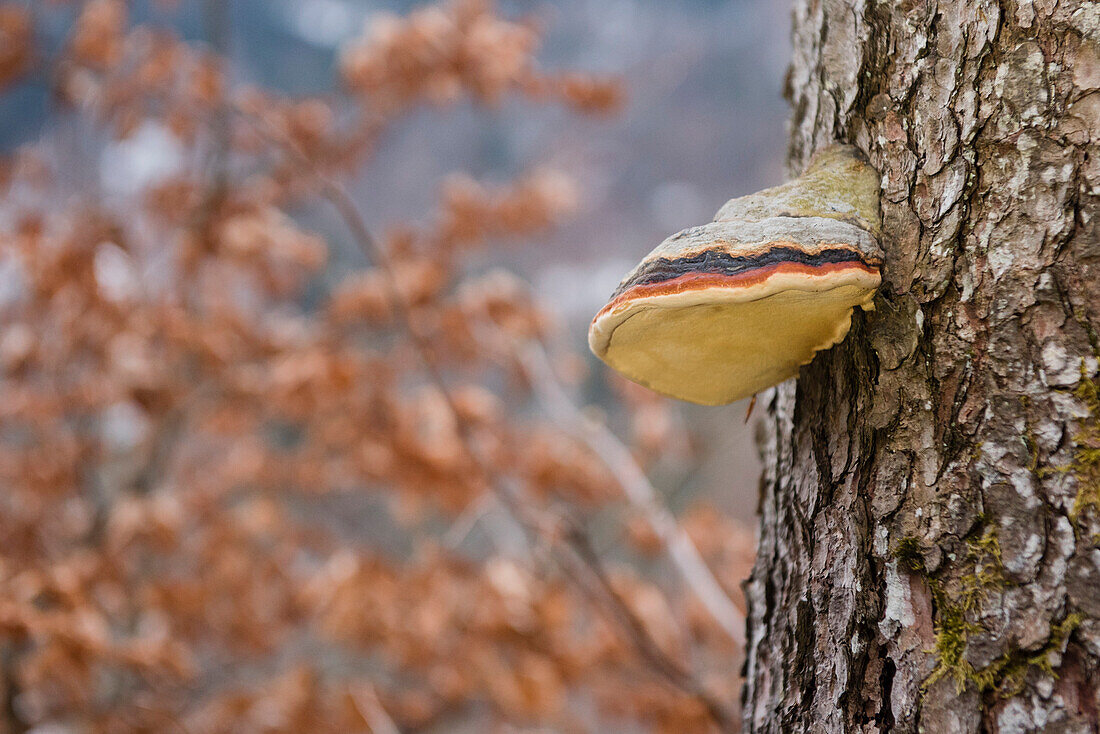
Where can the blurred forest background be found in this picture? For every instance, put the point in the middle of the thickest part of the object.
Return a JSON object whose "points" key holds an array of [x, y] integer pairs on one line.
{"points": [[298, 429]]}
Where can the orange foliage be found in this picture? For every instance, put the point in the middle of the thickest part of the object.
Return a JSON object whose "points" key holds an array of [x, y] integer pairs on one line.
{"points": [[233, 498], [439, 53], [15, 42]]}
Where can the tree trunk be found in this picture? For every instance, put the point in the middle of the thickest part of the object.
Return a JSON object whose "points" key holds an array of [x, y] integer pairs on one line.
{"points": [[929, 555]]}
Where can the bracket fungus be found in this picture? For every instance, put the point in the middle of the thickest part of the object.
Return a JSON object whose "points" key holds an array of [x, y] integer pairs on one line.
{"points": [[720, 311]]}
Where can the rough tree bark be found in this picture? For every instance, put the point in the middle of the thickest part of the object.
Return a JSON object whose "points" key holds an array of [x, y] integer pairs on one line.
{"points": [[929, 555]]}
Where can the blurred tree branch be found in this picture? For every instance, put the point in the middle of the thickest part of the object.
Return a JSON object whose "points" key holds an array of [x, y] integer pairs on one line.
{"points": [[570, 546], [218, 27], [370, 707], [636, 487]]}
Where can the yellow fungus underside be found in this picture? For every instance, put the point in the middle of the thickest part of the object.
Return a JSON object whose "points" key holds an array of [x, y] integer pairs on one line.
{"points": [[718, 345]]}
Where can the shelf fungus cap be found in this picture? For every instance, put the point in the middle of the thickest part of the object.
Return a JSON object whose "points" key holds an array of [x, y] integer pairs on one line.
{"points": [[721, 311]]}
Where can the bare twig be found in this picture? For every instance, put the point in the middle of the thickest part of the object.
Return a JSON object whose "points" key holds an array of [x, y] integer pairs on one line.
{"points": [[10, 689], [217, 22], [467, 521], [366, 702], [637, 488], [570, 546]]}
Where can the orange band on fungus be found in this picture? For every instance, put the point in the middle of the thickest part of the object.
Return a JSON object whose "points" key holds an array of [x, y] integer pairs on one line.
{"points": [[722, 310]]}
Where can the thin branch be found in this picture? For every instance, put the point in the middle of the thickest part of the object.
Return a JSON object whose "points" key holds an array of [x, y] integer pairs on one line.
{"points": [[636, 486], [462, 527], [370, 707], [572, 551], [10, 689], [217, 26]]}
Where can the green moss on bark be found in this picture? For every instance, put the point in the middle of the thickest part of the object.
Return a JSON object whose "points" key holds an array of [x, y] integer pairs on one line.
{"points": [[957, 600], [1005, 676], [1085, 466], [908, 552]]}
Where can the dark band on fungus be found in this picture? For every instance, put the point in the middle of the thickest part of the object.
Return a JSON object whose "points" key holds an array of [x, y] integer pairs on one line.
{"points": [[662, 269]]}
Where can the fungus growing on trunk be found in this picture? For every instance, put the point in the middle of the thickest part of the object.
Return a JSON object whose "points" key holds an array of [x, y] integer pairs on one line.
{"points": [[723, 310]]}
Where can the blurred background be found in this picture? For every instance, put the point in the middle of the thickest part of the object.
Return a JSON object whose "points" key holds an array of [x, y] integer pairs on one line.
{"points": [[172, 159], [704, 121]]}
